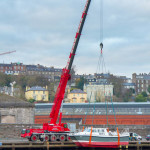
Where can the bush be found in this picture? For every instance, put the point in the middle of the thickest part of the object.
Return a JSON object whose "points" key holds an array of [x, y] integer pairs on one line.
{"points": [[140, 98], [31, 100]]}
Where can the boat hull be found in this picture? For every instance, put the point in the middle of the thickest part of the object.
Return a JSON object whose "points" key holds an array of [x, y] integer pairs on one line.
{"points": [[97, 141]]}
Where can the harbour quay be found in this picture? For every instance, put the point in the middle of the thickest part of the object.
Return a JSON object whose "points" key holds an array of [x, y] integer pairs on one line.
{"points": [[66, 146]]}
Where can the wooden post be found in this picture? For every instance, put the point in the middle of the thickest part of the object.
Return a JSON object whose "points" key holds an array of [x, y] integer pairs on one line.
{"points": [[13, 146]]}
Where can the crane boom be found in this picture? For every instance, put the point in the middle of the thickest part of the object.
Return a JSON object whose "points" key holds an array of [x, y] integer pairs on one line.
{"points": [[7, 52], [65, 76]]}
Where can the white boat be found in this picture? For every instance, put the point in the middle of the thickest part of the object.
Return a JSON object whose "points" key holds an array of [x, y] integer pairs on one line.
{"points": [[100, 137]]}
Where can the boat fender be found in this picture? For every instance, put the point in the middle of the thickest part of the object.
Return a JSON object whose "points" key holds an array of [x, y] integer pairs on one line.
{"points": [[118, 137], [90, 135]]}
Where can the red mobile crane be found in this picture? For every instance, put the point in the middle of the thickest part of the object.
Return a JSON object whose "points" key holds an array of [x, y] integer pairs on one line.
{"points": [[58, 131]]}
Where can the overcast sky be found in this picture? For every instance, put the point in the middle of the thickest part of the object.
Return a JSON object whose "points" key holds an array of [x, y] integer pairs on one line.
{"points": [[43, 31]]}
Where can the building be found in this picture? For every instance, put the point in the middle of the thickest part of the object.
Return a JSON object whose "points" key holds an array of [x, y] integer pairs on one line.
{"points": [[102, 75], [142, 81], [98, 91], [37, 93], [129, 85], [77, 96], [129, 113], [14, 110], [13, 68], [50, 73]]}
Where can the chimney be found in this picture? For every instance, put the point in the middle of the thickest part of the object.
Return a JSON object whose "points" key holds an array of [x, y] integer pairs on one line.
{"points": [[27, 87], [68, 90]]}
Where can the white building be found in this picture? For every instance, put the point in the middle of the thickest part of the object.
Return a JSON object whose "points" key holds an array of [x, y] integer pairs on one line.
{"points": [[98, 91]]}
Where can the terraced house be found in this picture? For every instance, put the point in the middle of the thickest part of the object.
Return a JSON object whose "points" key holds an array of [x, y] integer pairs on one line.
{"points": [[77, 96], [37, 93]]}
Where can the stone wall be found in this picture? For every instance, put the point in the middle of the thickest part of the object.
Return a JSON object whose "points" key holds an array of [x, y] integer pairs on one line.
{"points": [[14, 130], [17, 115]]}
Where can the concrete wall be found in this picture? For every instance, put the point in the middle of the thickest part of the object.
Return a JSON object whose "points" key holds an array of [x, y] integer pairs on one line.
{"points": [[17, 115], [14, 130]]}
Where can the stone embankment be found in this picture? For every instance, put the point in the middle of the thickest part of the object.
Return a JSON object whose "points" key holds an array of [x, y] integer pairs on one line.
{"points": [[14, 130]]}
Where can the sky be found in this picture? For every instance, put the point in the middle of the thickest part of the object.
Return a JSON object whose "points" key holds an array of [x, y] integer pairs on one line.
{"points": [[43, 31]]}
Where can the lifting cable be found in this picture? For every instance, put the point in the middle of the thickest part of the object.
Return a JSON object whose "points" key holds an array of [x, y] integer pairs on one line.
{"points": [[86, 113], [92, 124], [93, 113], [113, 109], [106, 109], [102, 68]]}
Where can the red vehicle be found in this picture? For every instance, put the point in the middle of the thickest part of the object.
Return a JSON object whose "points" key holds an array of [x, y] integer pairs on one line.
{"points": [[53, 131]]}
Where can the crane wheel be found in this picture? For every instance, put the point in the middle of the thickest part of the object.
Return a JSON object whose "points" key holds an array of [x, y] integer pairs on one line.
{"points": [[46, 138], [34, 138], [62, 138], [53, 138], [68, 138]]}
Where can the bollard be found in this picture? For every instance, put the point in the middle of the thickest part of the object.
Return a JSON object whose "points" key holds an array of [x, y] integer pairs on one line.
{"points": [[47, 145], [120, 147]]}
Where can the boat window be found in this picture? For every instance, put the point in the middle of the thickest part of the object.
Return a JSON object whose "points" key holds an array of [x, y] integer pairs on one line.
{"points": [[87, 130]]}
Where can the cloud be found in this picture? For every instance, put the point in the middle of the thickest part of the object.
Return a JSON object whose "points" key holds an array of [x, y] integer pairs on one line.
{"points": [[43, 32]]}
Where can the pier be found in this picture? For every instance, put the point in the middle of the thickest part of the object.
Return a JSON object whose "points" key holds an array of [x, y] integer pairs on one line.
{"points": [[137, 145]]}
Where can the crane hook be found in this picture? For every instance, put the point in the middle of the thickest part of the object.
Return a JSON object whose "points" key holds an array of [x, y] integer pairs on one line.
{"points": [[101, 46]]}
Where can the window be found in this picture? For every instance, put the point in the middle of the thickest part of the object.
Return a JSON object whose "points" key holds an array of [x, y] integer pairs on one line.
{"points": [[34, 97], [27, 131], [23, 131], [74, 100], [43, 97]]}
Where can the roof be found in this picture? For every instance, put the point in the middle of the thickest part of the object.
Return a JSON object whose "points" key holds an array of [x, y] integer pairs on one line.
{"points": [[129, 84], [77, 91], [7, 101], [37, 88], [42, 68], [100, 105]]}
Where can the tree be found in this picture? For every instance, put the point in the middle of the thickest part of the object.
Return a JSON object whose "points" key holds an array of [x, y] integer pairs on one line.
{"points": [[80, 83], [140, 98], [128, 94], [148, 89], [144, 94], [117, 82], [5, 79]]}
